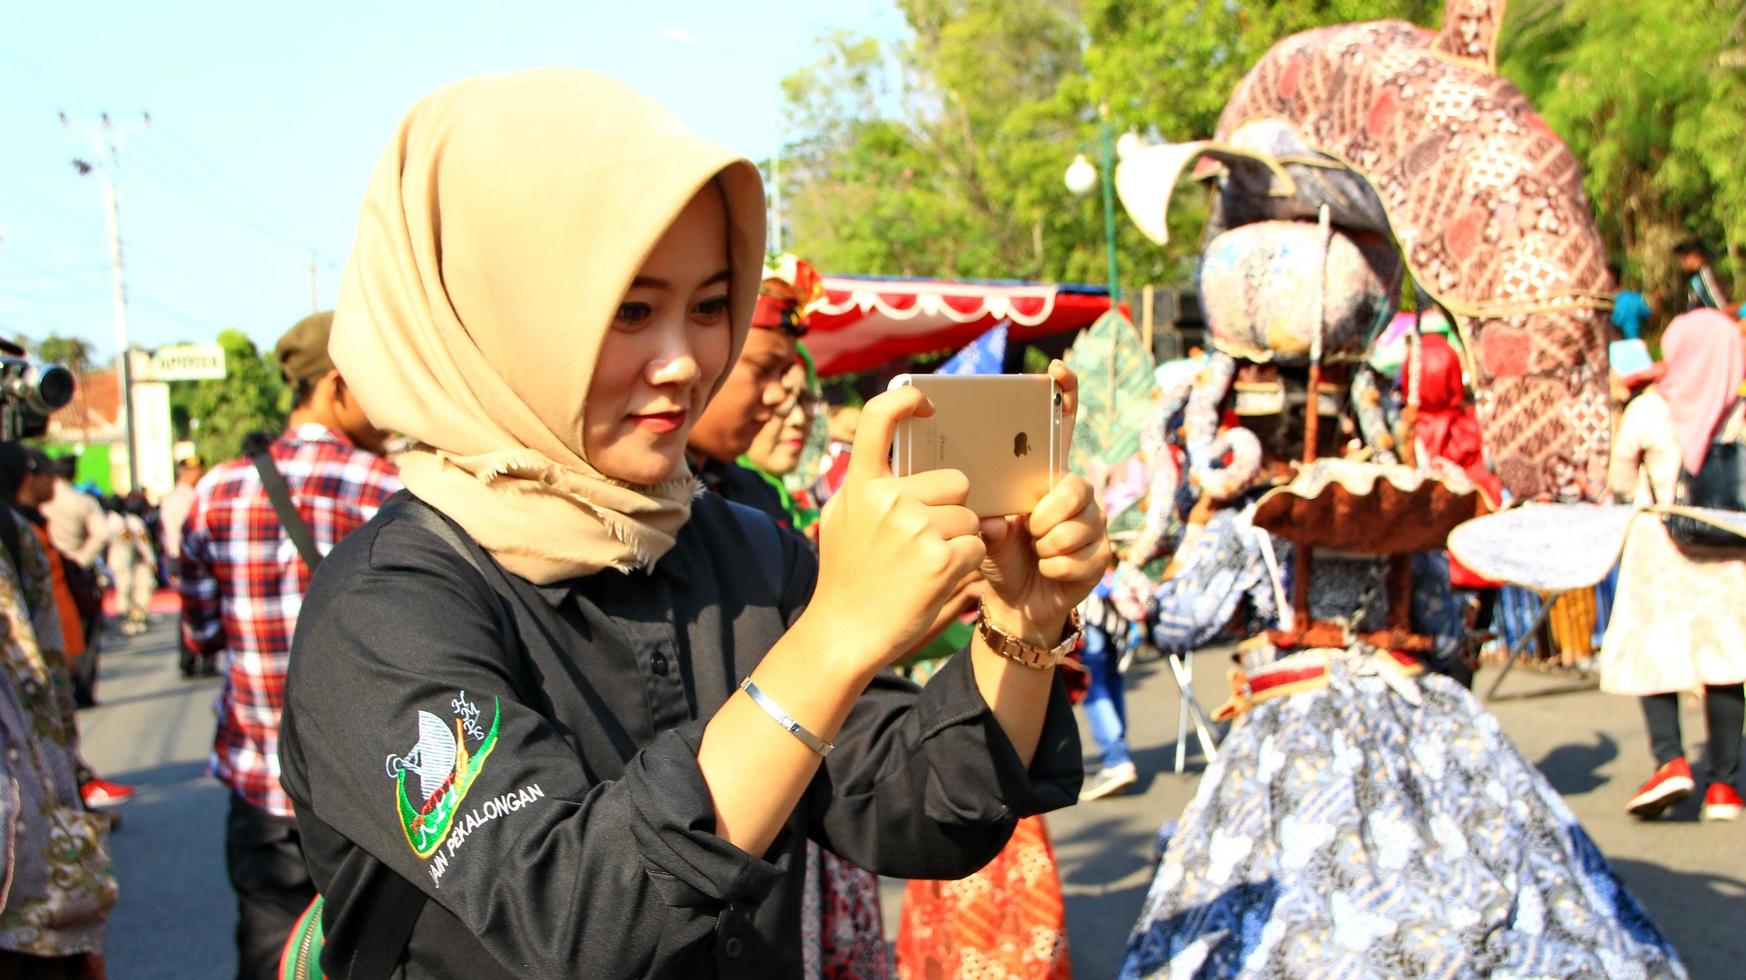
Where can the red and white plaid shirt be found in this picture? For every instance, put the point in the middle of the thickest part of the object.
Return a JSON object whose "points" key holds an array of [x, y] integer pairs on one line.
{"points": [[243, 584]]}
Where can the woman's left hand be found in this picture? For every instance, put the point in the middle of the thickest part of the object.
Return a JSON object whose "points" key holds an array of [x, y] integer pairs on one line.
{"points": [[1042, 565]]}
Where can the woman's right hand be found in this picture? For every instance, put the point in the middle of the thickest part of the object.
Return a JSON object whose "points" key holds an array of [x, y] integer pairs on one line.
{"points": [[892, 550]]}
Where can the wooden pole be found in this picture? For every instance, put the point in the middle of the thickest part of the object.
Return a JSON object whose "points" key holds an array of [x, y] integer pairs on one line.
{"points": [[1148, 297]]}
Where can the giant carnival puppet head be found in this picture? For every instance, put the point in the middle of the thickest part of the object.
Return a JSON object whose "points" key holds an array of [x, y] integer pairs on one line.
{"points": [[1410, 150]]}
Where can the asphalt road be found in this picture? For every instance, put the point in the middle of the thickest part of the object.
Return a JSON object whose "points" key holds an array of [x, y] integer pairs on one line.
{"points": [[175, 915]]}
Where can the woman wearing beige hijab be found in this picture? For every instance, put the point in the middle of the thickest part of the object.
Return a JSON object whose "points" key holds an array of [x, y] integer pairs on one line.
{"points": [[516, 731]]}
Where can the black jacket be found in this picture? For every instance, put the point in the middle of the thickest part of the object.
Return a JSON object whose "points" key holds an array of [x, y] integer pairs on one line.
{"points": [[568, 829]]}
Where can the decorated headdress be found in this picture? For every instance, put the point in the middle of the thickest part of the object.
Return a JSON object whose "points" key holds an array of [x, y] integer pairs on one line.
{"points": [[791, 290]]}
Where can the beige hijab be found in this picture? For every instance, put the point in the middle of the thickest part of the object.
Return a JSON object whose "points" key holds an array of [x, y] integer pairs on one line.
{"points": [[499, 233]]}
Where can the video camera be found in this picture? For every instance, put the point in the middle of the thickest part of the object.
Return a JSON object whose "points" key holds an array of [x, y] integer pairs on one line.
{"points": [[29, 393]]}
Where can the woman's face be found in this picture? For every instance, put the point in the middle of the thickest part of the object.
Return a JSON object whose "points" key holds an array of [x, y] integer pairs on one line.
{"points": [[777, 449], [668, 343]]}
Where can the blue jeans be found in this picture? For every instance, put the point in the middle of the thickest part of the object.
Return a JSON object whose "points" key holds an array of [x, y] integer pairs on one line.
{"points": [[1103, 705]]}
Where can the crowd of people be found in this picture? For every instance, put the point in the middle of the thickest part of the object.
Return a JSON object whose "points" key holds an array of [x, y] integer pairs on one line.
{"points": [[629, 657]]}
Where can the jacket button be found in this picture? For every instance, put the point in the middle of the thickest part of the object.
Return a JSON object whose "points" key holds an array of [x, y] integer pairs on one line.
{"points": [[731, 947], [658, 664]]}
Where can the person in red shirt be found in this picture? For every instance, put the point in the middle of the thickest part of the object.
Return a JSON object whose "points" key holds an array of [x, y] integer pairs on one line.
{"points": [[242, 584]]}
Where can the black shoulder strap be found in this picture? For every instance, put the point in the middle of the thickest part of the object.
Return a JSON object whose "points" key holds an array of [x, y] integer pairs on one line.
{"points": [[273, 482], [766, 541]]}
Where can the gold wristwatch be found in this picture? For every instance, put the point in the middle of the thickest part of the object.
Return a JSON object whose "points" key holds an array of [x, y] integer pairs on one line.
{"points": [[1030, 654]]}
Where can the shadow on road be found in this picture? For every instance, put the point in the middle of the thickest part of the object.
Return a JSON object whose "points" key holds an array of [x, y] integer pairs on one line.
{"points": [[1105, 872], [1694, 909], [1575, 769]]}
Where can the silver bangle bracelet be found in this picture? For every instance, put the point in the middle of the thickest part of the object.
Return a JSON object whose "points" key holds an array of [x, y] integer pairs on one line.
{"points": [[795, 728]]}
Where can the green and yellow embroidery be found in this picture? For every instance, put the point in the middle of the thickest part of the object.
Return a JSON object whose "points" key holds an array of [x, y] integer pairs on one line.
{"points": [[446, 770]]}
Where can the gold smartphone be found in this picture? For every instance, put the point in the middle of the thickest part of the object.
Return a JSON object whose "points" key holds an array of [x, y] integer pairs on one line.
{"points": [[1003, 431]]}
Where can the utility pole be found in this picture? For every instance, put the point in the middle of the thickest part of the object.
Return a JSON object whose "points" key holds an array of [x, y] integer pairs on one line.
{"points": [[106, 140]]}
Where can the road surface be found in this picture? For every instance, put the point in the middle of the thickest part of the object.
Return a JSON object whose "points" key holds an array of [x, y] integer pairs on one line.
{"points": [[175, 916]]}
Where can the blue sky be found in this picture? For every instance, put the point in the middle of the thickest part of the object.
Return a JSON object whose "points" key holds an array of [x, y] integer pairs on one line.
{"points": [[266, 121]]}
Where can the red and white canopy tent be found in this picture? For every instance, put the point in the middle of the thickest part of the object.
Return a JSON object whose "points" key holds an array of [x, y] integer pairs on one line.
{"points": [[866, 320]]}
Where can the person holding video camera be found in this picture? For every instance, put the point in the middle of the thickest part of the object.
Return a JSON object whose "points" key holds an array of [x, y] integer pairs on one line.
{"points": [[545, 717]]}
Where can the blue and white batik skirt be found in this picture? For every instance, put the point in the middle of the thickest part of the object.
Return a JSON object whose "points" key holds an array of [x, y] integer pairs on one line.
{"points": [[1348, 832]]}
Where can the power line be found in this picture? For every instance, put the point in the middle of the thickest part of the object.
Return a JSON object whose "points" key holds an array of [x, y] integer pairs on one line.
{"points": [[163, 309], [41, 80], [56, 91], [218, 176], [212, 205]]}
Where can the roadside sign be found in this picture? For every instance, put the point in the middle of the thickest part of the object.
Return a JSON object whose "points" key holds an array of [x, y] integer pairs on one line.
{"points": [[188, 362]]}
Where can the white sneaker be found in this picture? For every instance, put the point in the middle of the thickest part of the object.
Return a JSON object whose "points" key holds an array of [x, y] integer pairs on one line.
{"points": [[1109, 782]]}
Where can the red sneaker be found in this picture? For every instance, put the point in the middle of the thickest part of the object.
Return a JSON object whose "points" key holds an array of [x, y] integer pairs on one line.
{"points": [[100, 794], [1670, 784], [1722, 803]]}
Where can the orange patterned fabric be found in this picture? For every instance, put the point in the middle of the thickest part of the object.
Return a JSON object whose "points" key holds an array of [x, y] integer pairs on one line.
{"points": [[1005, 921]]}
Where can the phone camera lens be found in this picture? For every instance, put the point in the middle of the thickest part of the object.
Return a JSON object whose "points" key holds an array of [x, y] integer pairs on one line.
{"points": [[1057, 399]]}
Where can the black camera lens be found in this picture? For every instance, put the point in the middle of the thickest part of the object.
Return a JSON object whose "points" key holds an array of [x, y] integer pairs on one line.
{"points": [[55, 386]]}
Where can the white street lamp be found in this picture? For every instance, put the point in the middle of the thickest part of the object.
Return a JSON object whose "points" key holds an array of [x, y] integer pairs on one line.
{"points": [[1081, 176], [1129, 144]]}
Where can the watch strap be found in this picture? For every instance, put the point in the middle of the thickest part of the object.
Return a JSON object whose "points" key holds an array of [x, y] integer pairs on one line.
{"points": [[1030, 654]]}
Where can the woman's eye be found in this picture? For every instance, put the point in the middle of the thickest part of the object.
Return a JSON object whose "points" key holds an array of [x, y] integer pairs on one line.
{"points": [[711, 310], [634, 314]]}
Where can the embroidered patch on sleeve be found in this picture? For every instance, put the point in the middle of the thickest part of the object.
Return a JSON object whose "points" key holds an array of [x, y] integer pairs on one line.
{"points": [[443, 764]]}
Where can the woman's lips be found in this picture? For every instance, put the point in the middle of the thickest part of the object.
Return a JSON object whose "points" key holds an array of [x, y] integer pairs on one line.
{"points": [[660, 422]]}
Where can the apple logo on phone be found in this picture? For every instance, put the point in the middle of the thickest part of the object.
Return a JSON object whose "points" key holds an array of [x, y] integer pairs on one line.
{"points": [[1021, 445]]}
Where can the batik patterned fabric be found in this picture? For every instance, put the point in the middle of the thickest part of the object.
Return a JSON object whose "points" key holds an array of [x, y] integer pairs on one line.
{"points": [[1221, 565], [1345, 832], [1005, 922], [840, 922], [1488, 206], [1269, 288], [62, 882]]}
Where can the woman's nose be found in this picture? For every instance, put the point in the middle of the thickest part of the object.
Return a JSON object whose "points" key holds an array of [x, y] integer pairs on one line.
{"points": [[775, 394], [677, 368]]}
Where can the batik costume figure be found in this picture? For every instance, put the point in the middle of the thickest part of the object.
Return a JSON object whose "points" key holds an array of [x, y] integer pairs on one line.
{"points": [[1365, 816]]}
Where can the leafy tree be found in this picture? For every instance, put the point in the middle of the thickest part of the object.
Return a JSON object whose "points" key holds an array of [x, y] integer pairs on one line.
{"points": [[73, 353], [944, 154], [1658, 124], [217, 414]]}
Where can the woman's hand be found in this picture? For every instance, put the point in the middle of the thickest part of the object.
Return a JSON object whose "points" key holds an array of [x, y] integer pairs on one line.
{"points": [[1041, 565], [892, 550]]}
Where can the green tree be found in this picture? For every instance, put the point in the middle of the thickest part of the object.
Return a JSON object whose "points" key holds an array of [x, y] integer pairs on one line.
{"points": [[217, 414], [73, 353], [1659, 124], [944, 154]]}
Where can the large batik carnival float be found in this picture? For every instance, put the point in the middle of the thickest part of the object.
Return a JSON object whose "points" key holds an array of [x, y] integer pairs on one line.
{"points": [[1365, 816]]}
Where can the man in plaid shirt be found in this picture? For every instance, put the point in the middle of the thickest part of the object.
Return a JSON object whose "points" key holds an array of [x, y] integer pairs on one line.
{"points": [[242, 586]]}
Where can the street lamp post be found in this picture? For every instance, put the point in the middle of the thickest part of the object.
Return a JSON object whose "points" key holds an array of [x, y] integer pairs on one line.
{"points": [[1082, 177]]}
